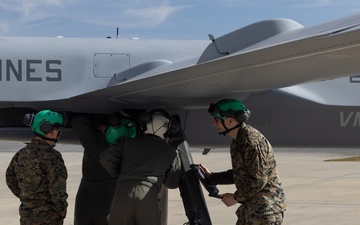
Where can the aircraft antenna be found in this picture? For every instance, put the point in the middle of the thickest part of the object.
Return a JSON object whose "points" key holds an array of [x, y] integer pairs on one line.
{"points": [[206, 151], [212, 38]]}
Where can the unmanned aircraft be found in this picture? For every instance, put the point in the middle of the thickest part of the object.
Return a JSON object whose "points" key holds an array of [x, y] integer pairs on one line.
{"points": [[300, 84]]}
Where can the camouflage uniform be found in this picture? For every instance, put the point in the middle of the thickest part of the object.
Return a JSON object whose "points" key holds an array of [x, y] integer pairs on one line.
{"points": [[254, 174], [37, 176]]}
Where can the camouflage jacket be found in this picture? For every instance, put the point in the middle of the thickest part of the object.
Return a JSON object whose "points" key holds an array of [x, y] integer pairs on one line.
{"points": [[37, 176], [254, 173]]}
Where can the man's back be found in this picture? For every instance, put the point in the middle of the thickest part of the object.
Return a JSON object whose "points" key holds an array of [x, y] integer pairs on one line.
{"points": [[37, 176], [146, 157], [148, 154]]}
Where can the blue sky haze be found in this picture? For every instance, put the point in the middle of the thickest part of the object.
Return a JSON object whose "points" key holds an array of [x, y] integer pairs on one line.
{"points": [[185, 19]]}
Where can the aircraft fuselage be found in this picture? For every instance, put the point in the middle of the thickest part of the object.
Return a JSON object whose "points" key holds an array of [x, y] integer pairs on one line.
{"points": [[36, 66]]}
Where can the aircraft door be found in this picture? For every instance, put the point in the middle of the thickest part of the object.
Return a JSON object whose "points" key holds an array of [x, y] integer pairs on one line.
{"points": [[108, 64]]}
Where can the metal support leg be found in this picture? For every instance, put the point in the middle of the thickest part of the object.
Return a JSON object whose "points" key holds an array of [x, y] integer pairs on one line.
{"points": [[190, 188]]}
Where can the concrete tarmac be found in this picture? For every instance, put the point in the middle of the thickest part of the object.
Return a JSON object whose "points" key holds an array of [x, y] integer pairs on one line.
{"points": [[318, 192]]}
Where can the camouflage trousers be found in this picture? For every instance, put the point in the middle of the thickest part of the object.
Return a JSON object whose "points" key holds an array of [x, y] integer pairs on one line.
{"points": [[40, 218], [254, 219]]}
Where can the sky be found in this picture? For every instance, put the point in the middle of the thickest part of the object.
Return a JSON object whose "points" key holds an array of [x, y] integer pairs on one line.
{"points": [[158, 19]]}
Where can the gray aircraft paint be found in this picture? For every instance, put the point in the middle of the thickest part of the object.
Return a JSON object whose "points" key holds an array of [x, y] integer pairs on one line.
{"points": [[29, 70], [183, 77], [105, 75], [350, 119]]}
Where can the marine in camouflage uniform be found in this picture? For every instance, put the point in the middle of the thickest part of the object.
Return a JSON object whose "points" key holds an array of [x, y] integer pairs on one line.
{"points": [[37, 176], [258, 186]]}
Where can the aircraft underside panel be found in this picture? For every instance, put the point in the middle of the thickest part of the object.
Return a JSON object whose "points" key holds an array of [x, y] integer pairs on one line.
{"points": [[286, 120]]}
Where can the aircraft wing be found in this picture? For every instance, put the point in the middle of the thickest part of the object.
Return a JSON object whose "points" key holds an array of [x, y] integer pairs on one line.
{"points": [[337, 92], [78, 76], [287, 54]]}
